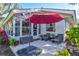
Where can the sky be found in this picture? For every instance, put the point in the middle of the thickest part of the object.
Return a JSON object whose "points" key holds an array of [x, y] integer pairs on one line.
{"points": [[51, 5], [47, 5]]}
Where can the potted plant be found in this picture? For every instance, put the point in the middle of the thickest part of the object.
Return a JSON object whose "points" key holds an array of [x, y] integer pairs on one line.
{"points": [[13, 42]]}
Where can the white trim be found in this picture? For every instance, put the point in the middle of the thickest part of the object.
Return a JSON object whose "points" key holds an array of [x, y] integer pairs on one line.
{"points": [[14, 27], [20, 27]]}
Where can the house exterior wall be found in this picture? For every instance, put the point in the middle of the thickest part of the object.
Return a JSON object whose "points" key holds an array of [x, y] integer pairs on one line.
{"points": [[59, 26], [43, 28]]}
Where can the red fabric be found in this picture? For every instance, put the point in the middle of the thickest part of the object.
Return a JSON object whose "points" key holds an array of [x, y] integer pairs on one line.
{"points": [[3, 34], [45, 18]]}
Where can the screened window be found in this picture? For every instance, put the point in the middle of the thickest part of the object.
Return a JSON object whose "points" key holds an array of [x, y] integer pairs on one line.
{"points": [[17, 27], [26, 28], [50, 27]]}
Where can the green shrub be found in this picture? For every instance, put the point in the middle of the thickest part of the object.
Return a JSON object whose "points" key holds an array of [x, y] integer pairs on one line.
{"points": [[73, 35], [1, 39], [65, 52]]}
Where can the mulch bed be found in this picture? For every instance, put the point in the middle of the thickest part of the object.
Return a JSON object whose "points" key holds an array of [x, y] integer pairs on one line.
{"points": [[72, 49], [6, 51]]}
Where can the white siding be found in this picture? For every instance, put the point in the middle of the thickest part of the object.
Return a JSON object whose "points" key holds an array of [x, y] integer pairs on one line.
{"points": [[43, 28], [60, 27]]}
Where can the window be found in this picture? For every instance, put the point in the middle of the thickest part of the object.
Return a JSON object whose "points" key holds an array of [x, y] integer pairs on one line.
{"points": [[17, 31], [25, 24], [17, 27], [39, 29], [50, 27], [34, 29], [26, 28], [25, 31], [17, 22]]}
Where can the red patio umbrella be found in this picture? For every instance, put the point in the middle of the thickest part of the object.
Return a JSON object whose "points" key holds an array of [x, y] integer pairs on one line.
{"points": [[45, 18]]}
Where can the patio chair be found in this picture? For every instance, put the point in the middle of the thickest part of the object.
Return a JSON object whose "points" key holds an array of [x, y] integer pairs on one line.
{"points": [[41, 37], [52, 36], [61, 37], [58, 39], [44, 37], [48, 34]]}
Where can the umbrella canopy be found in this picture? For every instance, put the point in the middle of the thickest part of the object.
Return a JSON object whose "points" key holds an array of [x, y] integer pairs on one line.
{"points": [[45, 18]]}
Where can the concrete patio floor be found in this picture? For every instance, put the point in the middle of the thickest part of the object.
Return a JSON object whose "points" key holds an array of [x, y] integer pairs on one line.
{"points": [[48, 48]]}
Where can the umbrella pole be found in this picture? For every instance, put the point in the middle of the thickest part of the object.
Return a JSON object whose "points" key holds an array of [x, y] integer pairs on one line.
{"points": [[29, 30], [29, 34]]}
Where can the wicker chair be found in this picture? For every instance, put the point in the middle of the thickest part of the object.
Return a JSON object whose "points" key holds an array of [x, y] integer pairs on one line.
{"points": [[44, 37], [58, 39]]}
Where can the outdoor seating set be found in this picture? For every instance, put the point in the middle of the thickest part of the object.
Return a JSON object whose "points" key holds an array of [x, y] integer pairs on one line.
{"points": [[27, 39], [45, 37], [34, 51], [52, 37]]}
